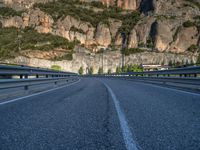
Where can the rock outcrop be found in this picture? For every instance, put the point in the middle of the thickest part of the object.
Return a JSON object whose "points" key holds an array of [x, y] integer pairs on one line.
{"points": [[103, 36], [112, 59], [133, 41], [84, 31], [185, 38], [163, 36], [143, 29], [34, 18]]}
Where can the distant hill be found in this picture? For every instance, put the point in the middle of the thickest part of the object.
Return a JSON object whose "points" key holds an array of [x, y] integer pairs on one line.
{"points": [[164, 26]]}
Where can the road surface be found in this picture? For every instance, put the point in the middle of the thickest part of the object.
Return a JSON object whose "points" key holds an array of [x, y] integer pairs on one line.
{"points": [[102, 114]]}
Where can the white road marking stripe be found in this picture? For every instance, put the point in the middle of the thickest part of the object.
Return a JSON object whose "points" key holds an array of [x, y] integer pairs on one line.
{"points": [[17, 99], [127, 134]]}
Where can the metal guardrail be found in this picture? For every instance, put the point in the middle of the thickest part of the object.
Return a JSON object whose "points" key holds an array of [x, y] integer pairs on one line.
{"points": [[188, 77], [181, 72], [23, 76], [30, 71]]}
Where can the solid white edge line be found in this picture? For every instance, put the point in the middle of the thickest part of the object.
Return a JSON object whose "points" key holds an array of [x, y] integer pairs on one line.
{"points": [[17, 99], [127, 134]]}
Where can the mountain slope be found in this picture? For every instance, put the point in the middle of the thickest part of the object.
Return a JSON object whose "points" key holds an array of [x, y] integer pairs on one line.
{"points": [[149, 25]]}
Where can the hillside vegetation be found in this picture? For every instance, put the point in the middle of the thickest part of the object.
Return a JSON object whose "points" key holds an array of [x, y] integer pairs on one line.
{"points": [[14, 40], [60, 9]]}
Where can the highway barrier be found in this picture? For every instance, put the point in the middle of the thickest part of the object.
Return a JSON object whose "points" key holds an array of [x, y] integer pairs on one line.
{"points": [[22, 80], [188, 77]]}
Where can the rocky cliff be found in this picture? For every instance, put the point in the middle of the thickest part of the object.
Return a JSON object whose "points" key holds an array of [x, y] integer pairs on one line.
{"points": [[164, 26]]}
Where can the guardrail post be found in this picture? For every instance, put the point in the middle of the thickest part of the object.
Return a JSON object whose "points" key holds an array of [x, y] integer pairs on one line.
{"points": [[26, 76], [37, 76], [195, 75], [47, 76], [21, 76]]}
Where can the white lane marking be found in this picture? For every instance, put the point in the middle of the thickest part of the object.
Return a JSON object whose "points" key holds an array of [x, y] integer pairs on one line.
{"points": [[17, 99], [127, 134]]}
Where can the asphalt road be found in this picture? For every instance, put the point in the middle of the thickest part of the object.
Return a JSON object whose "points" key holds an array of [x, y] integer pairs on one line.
{"points": [[102, 114]]}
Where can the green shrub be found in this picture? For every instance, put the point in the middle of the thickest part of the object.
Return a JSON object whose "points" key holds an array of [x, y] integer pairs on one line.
{"points": [[193, 48], [80, 71], [125, 68], [109, 71], [56, 67], [8, 12], [135, 68], [100, 71], [91, 71], [118, 70], [188, 24]]}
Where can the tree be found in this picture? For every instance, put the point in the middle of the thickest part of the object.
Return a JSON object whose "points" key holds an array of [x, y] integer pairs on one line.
{"points": [[187, 63], [125, 68], [109, 71], [91, 71], [100, 71], [170, 63], [80, 71], [118, 70], [198, 60]]}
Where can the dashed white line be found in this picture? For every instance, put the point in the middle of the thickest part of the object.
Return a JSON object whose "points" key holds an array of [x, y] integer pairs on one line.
{"points": [[17, 99], [127, 134]]}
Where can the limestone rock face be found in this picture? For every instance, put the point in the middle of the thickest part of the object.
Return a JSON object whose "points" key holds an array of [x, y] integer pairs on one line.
{"points": [[103, 36], [163, 36], [112, 59], [185, 38], [170, 7], [12, 22], [118, 40], [108, 2], [124, 4], [63, 28], [128, 4], [114, 25], [34, 18], [143, 29], [133, 41]]}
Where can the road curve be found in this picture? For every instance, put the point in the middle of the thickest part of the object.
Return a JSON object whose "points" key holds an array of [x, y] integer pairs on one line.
{"points": [[103, 114]]}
